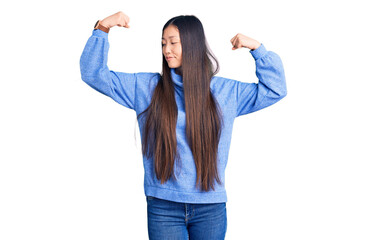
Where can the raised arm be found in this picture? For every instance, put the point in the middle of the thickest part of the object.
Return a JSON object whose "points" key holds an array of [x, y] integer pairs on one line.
{"points": [[271, 87], [95, 72]]}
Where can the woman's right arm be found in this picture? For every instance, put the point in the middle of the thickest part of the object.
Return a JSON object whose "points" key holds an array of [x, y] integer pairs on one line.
{"points": [[95, 72]]}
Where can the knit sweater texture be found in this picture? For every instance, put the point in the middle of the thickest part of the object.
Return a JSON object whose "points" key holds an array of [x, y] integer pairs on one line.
{"points": [[235, 98]]}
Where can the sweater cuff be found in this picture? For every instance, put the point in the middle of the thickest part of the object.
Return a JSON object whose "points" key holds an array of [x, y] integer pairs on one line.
{"points": [[100, 33], [258, 52]]}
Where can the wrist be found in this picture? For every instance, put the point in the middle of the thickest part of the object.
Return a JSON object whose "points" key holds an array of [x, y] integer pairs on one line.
{"points": [[257, 46], [104, 23], [102, 26]]}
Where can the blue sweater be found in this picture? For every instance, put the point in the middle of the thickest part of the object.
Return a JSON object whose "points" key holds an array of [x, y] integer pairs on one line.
{"points": [[134, 91]]}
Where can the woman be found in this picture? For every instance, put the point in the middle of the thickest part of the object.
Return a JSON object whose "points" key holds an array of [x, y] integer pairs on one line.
{"points": [[186, 116]]}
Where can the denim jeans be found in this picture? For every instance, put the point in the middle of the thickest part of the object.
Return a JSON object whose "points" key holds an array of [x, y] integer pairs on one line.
{"points": [[169, 220]]}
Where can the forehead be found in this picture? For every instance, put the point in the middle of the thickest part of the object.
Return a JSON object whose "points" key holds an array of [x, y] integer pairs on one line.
{"points": [[170, 32]]}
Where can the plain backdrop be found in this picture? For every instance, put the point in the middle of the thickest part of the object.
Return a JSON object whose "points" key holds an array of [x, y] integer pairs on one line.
{"points": [[303, 168]]}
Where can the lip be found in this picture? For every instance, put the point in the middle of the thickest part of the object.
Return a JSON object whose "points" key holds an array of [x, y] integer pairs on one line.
{"points": [[169, 58]]}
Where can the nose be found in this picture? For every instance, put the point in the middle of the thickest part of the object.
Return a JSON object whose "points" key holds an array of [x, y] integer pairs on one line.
{"points": [[167, 49]]}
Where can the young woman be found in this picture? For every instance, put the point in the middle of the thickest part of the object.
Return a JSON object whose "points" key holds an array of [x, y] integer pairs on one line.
{"points": [[185, 117]]}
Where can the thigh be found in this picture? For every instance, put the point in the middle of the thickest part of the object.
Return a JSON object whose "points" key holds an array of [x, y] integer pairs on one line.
{"points": [[209, 222], [166, 220]]}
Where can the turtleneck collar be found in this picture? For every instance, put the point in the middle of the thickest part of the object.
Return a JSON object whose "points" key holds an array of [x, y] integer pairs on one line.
{"points": [[176, 78]]}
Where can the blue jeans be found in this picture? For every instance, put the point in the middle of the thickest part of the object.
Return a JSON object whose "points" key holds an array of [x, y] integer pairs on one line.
{"points": [[179, 221]]}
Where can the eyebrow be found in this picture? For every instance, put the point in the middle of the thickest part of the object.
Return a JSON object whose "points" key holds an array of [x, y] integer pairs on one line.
{"points": [[170, 37]]}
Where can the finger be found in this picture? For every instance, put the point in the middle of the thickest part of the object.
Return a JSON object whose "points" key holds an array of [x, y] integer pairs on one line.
{"points": [[240, 42], [124, 20], [233, 39], [234, 45], [126, 25]]}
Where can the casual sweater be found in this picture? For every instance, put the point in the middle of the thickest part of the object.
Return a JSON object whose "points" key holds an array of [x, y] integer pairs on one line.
{"points": [[235, 98]]}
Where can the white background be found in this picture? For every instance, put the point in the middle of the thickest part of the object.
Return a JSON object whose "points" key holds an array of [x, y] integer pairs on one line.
{"points": [[304, 168]]}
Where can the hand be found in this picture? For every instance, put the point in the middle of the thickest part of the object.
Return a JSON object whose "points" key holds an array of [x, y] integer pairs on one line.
{"points": [[241, 40], [117, 19]]}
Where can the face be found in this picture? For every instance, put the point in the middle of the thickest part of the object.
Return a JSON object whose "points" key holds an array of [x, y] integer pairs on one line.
{"points": [[171, 46]]}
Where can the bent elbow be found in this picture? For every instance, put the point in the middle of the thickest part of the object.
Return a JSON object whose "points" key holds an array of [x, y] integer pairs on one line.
{"points": [[283, 93], [279, 93], [86, 79]]}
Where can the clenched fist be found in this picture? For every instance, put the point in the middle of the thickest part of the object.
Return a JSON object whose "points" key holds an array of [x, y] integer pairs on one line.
{"points": [[241, 40], [117, 19]]}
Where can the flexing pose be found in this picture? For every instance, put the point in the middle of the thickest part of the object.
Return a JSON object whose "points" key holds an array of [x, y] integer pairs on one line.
{"points": [[185, 115]]}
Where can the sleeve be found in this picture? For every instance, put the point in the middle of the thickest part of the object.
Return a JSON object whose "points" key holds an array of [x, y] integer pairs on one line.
{"points": [[119, 86], [271, 87]]}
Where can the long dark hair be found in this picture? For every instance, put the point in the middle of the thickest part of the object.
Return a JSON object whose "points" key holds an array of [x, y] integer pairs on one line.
{"points": [[203, 115]]}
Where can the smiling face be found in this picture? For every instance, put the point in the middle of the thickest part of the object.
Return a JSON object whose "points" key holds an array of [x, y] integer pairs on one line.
{"points": [[171, 46]]}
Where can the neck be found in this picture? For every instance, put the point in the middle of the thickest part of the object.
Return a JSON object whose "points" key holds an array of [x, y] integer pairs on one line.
{"points": [[179, 71]]}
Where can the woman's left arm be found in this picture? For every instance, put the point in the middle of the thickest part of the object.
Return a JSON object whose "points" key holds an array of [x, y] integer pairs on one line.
{"points": [[271, 87]]}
